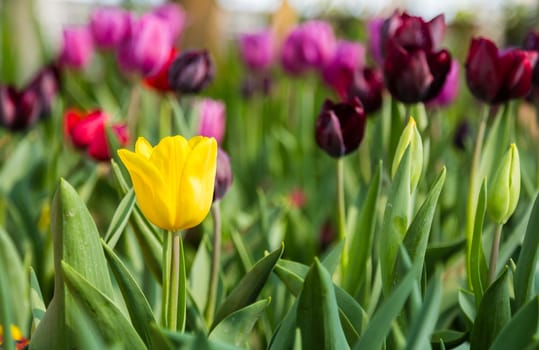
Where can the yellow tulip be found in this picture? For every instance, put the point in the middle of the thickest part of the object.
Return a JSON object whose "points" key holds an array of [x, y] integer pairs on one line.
{"points": [[173, 181]]}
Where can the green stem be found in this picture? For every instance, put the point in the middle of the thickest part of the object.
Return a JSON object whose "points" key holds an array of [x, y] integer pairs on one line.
{"points": [[174, 281], [215, 259], [494, 253], [473, 186], [341, 221]]}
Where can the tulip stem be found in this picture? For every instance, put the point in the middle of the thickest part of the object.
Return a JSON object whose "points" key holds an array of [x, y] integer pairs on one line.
{"points": [[215, 259], [174, 292], [133, 110], [341, 220], [494, 253]]}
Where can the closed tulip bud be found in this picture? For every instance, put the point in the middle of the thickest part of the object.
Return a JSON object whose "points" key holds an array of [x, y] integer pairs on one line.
{"points": [[174, 17], [77, 47], [257, 50], [211, 118], [19, 110], [410, 138], [223, 175], [109, 26], [191, 71], [367, 85], [340, 127], [496, 77], [504, 190]]}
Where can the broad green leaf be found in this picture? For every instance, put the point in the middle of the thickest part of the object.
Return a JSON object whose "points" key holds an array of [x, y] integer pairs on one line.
{"points": [[19, 163], [521, 331], [122, 184], [417, 236], [6, 313], [380, 324], [120, 219], [76, 241], [36, 300], [448, 338], [137, 305], [527, 260], [88, 338], [317, 314], [199, 276], [395, 221], [174, 340], [284, 335], [467, 304], [108, 319], [236, 327], [333, 257], [13, 268], [148, 241], [361, 237], [441, 252], [493, 314], [478, 264], [424, 321], [248, 288]]}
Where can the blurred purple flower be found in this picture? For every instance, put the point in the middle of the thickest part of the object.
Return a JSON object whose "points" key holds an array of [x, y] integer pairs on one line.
{"points": [[77, 47], [374, 29], [191, 71], [174, 17], [531, 43], [223, 175], [496, 77], [109, 26], [368, 86], [309, 45], [211, 118], [339, 71], [450, 89], [257, 50]]}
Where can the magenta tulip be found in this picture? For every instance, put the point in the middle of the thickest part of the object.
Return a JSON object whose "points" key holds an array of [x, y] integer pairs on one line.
{"points": [[257, 50], [339, 72], [109, 26], [212, 118], [77, 47]]}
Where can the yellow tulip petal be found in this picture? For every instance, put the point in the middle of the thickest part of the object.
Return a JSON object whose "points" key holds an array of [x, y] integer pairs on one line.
{"points": [[143, 147], [193, 141], [149, 189], [197, 183]]}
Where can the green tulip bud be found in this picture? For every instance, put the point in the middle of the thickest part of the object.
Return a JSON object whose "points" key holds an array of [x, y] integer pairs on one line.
{"points": [[504, 190], [410, 137]]}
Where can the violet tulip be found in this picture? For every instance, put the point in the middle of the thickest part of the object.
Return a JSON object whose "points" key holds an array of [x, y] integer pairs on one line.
{"points": [[340, 127], [211, 118], [339, 72], [496, 77], [368, 86], [174, 17], [109, 26], [77, 47], [309, 45], [531, 43], [257, 50], [191, 71], [450, 89], [374, 30], [223, 175]]}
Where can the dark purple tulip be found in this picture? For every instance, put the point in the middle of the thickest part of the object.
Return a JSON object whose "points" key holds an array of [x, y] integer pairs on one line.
{"points": [[109, 26], [461, 138], [174, 17], [450, 89], [19, 110], [309, 45], [368, 86], [496, 77], [339, 72], [415, 75], [191, 71], [223, 175], [47, 84], [340, 127], [257, 50], [531, 43], [77, 47]]}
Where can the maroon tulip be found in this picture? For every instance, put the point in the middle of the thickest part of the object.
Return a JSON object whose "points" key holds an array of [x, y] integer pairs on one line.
{"points": [[531, 43], [339, 72], [496, 77], [223, 175], [340, 127], [368, 86], [415, 75], [257, 50], [109, 26], [191, 71]]}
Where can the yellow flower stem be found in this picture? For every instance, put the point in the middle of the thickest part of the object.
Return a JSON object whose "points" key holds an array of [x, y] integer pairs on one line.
{"points": [[215, 259], [341, 221], [494, 254]]}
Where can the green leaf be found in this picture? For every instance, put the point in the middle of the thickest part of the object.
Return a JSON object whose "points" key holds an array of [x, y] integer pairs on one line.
{"points": [[36, 300], [138, 307], [284, 335], [317, 314], [493, 314], [423, 323], [395, 221], [478, 264], [527, 260], [417, 236], [361, 237], [76, 241], [236, 327], [148, 241], [120, 218], [441, 252], [182, 291], [6, 313], [333, 257], [199, 276], [107, 317], [467, 304], [248, 288], [88, 338], [380, 324], [448, 338], [521, 330], [19, 163], [174, 340], [121, 182]]}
